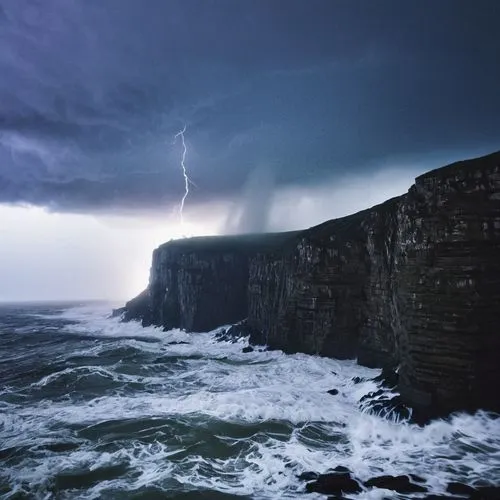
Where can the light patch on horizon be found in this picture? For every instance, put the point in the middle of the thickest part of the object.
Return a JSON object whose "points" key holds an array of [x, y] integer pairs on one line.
{"points": [[54, 256]]}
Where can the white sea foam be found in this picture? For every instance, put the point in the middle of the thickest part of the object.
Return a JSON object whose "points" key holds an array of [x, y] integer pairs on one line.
{"points": [[204, 383]]}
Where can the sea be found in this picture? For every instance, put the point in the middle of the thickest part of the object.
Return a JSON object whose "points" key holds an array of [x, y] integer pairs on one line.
{"points": [[93, 408]]}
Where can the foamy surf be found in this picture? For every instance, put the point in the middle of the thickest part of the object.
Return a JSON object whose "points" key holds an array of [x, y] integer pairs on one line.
{"points": [[95, 408]]}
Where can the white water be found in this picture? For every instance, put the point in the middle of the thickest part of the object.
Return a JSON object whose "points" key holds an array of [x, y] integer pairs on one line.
{"points": [[215, 382]]}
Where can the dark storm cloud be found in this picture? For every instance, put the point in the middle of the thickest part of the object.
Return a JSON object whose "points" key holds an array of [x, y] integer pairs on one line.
{"points": [[92, 93]]}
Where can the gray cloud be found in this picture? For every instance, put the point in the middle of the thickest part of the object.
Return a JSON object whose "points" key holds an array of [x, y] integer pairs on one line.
{"points": [[92, 93]]}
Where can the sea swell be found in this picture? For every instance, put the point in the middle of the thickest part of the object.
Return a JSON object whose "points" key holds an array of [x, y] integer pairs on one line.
{"points": [[94, 408]]}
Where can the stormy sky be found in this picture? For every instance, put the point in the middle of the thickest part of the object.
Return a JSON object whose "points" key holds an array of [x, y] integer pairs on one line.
{"points": [[282, 100]]}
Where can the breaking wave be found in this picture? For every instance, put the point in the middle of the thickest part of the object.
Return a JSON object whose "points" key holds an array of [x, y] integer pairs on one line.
{"points": [[94, 408]]}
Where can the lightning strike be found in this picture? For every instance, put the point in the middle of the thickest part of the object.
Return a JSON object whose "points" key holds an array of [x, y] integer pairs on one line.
{"points": [[187, 180]]}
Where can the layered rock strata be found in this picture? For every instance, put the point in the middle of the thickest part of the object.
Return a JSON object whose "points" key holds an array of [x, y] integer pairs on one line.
{"points": [[412, 283]]}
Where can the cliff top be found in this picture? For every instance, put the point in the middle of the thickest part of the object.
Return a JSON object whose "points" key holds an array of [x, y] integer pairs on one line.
{"points": [[264, 242], [482, 162], [259, 242]]}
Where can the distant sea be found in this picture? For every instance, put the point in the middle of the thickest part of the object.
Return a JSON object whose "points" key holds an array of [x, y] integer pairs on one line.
{"points": [[91, 408]]}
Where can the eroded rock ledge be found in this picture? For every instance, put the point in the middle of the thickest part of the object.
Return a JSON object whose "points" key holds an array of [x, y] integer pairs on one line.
{"points": [[413, 282]]}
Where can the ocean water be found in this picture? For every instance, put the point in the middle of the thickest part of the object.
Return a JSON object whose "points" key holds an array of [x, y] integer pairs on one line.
{"points": [[93, 408]]}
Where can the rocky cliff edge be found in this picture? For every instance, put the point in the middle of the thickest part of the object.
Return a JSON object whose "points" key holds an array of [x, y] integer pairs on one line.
{"points": [[412, 283]]}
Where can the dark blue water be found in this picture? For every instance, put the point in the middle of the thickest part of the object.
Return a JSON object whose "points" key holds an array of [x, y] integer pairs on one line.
{"points": [[92, 408]]}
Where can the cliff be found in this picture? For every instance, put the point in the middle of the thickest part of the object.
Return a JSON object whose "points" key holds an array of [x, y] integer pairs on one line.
{"points": [[200, 283], [413, 282]]}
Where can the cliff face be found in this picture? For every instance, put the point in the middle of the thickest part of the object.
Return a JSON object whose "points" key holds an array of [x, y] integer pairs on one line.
{"points": [[448, 286], [330, 292], [200, 283], [413, 282]]}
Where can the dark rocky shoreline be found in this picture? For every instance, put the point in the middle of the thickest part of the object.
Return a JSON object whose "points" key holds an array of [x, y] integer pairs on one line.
{"points": [[412, 283], [340, 481]]}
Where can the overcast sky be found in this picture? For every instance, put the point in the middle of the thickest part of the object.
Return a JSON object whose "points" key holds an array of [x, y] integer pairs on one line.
{"points": [[295, 111]]}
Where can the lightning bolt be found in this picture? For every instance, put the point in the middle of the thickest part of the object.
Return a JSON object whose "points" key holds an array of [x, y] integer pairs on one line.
{"points": [[187, 180]]}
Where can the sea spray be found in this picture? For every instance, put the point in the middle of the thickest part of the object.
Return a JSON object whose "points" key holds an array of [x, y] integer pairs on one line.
{"points": [[94, 408]]}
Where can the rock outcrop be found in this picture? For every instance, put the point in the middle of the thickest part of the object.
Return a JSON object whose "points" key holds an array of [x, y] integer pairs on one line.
{"points": [[413, 282], [340, 480], [200, 283]]}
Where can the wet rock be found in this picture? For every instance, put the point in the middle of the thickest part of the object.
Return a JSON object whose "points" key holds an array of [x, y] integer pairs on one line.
{"points": [[341, 469], [372, 395], [385, 404], [120, 311], [333, 392], [334, 483], [416, 479], [460, 489], [486, 493], [388, 378], [308, 476], [139, 308], [401, 484], [224, 336], [248, 348], [358, 380], [240, 330], [392, 408], [472, 493]]}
